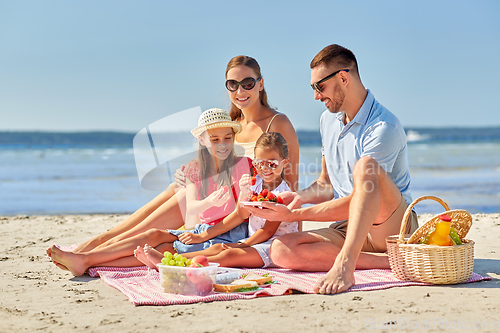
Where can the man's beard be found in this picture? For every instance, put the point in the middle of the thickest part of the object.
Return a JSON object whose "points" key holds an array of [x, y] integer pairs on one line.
{"points": [[337, 101]]}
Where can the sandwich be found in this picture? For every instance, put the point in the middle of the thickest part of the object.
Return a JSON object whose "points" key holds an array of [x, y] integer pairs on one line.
{"points": [[236, 286], [258, 278]]}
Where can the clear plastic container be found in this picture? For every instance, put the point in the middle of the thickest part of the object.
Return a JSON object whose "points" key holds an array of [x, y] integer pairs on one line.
{"points": [[188, 280], [227, 275]]}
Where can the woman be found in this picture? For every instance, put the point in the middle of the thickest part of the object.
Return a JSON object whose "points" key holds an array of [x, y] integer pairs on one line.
{"points": [[249, 107]]}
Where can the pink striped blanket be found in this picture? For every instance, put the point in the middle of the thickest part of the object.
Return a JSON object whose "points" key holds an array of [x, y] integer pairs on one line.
{"points": [[142, 285]]}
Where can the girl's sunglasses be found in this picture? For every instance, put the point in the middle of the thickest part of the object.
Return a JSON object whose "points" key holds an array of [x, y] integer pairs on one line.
{"points": [[247, 83], [271, 164]]}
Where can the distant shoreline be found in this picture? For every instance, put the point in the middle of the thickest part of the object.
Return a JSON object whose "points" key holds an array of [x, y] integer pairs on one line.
{"points": [[306, 137]]}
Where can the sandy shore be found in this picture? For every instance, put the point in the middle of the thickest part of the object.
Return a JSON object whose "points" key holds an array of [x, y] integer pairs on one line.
{"points": [[37, 296]]}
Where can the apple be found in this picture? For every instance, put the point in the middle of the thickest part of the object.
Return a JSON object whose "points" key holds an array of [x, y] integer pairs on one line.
{"points": [[205, 286], [194, 275], [202, 260]]}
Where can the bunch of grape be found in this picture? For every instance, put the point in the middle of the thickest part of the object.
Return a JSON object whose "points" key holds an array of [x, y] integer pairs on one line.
{"points": [[177, 259], [183, 279]]}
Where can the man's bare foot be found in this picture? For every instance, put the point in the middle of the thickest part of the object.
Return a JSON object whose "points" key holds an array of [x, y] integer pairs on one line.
{"points": [[338, 279], [74, 262], [141, 256], [153, 254]]}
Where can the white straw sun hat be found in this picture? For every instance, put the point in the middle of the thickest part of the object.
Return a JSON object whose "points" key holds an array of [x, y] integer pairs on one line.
{"points": [[215, 118]]}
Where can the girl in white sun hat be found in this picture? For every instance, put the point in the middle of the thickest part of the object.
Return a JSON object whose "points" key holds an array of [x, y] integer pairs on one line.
{"points": [[211, 193]]}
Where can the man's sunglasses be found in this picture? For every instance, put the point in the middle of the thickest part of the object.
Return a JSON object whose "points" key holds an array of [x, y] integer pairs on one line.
{"points": [[271, 164], [247, 83], [316, 86]]}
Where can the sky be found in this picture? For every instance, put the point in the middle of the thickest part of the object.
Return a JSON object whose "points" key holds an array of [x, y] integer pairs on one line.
{"points": [[122, 65]]}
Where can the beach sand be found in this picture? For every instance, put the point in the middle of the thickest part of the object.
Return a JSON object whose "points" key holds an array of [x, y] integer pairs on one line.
{"points": [[37, 296]]}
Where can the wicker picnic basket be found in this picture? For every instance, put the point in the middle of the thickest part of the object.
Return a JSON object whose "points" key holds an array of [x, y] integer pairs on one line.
{"points": [[430, 263]]}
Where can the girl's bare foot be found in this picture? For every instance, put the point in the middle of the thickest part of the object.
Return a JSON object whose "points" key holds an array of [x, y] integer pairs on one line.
{"points": [[74, 262], [141, 256], [153, 254]]}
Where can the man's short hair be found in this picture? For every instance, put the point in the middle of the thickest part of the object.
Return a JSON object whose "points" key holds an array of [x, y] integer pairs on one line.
{"points": [[336, 55]]}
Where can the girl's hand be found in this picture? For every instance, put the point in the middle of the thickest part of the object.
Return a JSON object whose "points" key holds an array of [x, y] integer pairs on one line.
{"points": [[220, 197], [291, 199], [227, 246], [180, 177], [245, 184], [190, 238]]}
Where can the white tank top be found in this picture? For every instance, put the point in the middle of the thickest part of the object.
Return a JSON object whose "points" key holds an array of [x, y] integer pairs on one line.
{"points": [[248, 148]]}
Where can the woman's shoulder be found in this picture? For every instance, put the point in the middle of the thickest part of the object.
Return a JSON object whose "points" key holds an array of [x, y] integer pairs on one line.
{"points": [[282, 124]]}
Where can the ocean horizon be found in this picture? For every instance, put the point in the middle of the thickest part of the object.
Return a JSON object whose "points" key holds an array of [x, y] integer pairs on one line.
{"points": [[95, 172]]}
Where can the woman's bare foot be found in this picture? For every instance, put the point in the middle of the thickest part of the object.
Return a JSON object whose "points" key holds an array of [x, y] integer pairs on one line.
{"points": [[74, 262], [61, 266], [153, 254], [141, 256]]}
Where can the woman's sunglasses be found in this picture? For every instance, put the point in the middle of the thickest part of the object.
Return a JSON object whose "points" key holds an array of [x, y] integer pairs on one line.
{"points": [[247, 83], [271, 164]]}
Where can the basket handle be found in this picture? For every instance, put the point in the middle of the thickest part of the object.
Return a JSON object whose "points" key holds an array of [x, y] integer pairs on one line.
{"points": [[406, 217]]}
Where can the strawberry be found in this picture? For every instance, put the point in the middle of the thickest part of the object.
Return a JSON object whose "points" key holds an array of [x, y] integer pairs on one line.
{"points": [[254, 198], [253, 180], [271, 197], [279, 200], [264, 193], [260, 198]]}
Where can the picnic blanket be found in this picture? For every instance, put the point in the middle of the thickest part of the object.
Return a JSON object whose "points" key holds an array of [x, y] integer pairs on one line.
{"points": [[142, 285]]}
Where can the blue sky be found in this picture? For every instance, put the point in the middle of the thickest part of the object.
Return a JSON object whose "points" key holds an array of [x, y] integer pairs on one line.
{"points": [[121, 65]]}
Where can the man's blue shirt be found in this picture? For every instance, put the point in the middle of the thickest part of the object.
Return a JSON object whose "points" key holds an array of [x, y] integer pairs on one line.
{"points": [[373, 132]]}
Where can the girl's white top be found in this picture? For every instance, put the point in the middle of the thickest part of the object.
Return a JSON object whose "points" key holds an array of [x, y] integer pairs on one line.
{"points": [[257, 223]]}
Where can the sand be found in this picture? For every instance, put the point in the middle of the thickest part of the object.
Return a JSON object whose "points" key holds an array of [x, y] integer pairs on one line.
{"points": [[37, 296]]}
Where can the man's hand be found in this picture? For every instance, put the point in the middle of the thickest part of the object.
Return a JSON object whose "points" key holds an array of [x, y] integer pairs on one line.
{"points": [[190, 238], [180, 177], [272, 212]]}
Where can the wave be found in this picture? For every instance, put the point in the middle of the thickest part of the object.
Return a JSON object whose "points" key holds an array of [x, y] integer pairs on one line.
{"points": [[30, 140]]}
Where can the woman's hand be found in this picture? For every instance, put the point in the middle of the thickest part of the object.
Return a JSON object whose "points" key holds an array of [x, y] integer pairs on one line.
{"points": [[180, 177], [190, 238]]}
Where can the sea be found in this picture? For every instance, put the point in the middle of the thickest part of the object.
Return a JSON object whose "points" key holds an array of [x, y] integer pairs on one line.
{"points": [[45, 173]]}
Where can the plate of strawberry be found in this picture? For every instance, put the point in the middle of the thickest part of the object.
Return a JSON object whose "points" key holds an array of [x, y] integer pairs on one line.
{"points": [[256, 199]]}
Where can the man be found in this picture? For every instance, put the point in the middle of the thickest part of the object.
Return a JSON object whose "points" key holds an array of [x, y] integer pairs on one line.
{"points": [[365, 170]]}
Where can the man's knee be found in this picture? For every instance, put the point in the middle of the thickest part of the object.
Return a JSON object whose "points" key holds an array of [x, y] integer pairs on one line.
{"points": [[281, 251]]}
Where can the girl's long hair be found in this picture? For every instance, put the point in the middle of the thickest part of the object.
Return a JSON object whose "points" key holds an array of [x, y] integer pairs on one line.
{"points": [[236, 113], [205, 159]]}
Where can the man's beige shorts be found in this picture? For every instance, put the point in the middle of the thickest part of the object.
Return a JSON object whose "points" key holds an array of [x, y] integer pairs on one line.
{"points": [[375, 241]]}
